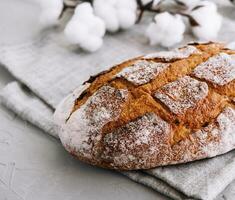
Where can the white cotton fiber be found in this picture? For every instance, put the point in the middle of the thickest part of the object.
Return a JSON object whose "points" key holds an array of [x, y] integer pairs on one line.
{"points": [[166, 30], [85, 29], [117, 14], [209, 21]]}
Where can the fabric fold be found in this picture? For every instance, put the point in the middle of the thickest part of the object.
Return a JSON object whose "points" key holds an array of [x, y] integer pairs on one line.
{"points": [[23, 102], [203, 179], [47, 69]]}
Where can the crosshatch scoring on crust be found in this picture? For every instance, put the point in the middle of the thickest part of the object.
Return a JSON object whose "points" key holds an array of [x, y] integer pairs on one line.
{"points": [[214, 139], [137, 141], [182, 94], [174, 54], [142, 114], [103, 106], [219, 69], [142, 71], [142, 141]]}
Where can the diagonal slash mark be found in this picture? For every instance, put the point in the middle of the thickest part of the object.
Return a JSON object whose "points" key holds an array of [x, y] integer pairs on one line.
{"points": [[10, 175]]}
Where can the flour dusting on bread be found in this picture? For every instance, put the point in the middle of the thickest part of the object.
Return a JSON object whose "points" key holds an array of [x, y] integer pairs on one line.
{"points": [[219, 69], [65, 107], [142, 71], [175, 54], [173, 112], [182, 94], [138, 141], [217, 138], [225, 127], [83, 128]]}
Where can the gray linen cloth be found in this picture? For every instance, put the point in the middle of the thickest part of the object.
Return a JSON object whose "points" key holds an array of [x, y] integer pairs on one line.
{"points": [[47, 69]]}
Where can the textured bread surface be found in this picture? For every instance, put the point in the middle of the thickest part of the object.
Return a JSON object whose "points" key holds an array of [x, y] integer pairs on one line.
{"points": [[159, 109]]}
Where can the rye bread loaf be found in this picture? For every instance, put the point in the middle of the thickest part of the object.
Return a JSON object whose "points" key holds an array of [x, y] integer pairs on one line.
{"points": [[160, 109]]}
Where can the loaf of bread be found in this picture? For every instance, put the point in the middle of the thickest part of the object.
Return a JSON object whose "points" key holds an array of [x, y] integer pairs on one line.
{"points": [[160, 109]]}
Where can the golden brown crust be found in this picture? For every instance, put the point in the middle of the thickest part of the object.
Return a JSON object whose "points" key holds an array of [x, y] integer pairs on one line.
{"points": [[152, 111]]}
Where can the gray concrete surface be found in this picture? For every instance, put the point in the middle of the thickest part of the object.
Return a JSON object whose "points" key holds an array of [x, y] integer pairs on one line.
{"points": [[34, 166]]}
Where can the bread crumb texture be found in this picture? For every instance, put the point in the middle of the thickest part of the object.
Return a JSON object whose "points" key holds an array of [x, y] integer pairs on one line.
{"points": [[164, 108]]}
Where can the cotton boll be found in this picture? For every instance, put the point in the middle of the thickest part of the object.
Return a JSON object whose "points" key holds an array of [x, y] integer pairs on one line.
{"points": [[126, 18], [128, 4], [97, 27], [92, 44], [151, 33], [208, 30], [76, 32], [85, 29], [108, 14], [209, 5], [209, 21], [50, 11], [117, 14], [175, 32], [84, 9], [110, 2], [167, 30], [126, 13]]}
